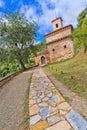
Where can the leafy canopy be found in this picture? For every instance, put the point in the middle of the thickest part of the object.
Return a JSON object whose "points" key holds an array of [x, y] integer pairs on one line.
{"points": [[17, 34], [82, 16]]}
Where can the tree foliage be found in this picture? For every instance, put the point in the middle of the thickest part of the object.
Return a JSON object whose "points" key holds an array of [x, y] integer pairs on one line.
{"points": [[80, 35], [82, 16], [40, 47], [17, 34]]}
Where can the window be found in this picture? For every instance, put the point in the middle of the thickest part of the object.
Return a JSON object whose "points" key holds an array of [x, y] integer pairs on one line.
{"points": [[53, 50], [56, 25], [64, 46]]}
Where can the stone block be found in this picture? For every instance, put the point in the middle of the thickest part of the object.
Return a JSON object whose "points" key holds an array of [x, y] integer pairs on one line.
{"points": [[32, 102], [34, 110], [40, 125], [43, 104], [76, 120], [64, 106], [34, 119], [45, 99], [44, 112], [51, 103], [62, 125], [53, 120]]}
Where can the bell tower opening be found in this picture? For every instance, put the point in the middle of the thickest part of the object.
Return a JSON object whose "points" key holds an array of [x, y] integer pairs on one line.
{"points": [[57, 23]]}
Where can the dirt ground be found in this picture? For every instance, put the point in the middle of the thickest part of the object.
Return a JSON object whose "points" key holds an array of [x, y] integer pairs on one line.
{"points": [[12, 97], [78, 103]]}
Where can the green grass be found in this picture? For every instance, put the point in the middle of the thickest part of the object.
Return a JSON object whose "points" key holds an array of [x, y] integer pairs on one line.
{"points": [[72, 72], [26, 107], [67, 99]]}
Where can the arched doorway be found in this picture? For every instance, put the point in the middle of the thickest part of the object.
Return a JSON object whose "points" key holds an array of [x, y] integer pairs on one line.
{"points": [[43, 60]]}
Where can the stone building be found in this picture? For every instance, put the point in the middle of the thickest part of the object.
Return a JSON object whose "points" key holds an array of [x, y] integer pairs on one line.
{"points": [[59, 45]]}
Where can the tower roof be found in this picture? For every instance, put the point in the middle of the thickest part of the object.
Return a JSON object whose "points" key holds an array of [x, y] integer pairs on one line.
{"points": [[57, 19]]}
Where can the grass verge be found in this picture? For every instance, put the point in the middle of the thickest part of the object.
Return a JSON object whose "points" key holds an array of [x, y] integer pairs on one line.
{"points": [[72, 72], [26, 107]]}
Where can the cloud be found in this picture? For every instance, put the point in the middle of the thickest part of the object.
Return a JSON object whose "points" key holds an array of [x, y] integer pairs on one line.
{"points": [[2, 3], [47, 10]]}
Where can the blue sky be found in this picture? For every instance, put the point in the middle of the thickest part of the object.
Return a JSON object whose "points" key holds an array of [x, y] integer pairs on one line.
{"points": [[44, 11]]}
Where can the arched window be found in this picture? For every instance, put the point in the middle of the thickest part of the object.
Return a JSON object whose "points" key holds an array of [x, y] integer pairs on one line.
{"points": [[56, 25]]}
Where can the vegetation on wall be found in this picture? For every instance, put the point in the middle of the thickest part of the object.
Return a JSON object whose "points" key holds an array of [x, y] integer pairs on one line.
{"points": [[81, 17], [80, 33]]}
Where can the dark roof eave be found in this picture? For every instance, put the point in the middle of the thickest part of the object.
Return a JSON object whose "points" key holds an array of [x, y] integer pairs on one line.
{"points": [[59, 30], [57, 19]]}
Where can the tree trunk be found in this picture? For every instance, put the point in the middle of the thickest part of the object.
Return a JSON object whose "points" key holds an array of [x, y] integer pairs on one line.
{"points": [[85, 49], [22, 65]]}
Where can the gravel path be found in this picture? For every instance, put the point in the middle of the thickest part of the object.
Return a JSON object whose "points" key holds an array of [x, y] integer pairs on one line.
{"points": [[78, 103], [12, 97]]}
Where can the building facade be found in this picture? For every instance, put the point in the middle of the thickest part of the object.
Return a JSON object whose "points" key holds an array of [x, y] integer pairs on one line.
{"points": [[59, 44]]}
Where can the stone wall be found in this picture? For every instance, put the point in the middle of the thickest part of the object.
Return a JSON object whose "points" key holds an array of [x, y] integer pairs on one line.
{"points": [[38, 58], [61, 50], [65, 32]]}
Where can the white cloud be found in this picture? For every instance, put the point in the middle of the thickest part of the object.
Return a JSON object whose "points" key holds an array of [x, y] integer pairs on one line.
{"points": [[30, 12], [67, 9], [2, 3]]}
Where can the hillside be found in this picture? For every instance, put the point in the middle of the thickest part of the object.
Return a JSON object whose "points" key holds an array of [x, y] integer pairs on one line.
{"points": [[72, 72]]}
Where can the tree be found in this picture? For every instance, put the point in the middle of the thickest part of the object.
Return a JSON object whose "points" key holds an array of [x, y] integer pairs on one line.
{"points": [[82, 16], [40, 47], [3, 55], [17, 34], [80, 35]]}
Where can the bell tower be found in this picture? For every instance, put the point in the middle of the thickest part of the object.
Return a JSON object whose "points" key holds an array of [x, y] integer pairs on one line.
{"points": [[57, 23]]}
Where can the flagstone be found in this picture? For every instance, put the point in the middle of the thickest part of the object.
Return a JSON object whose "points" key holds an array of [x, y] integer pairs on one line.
{"points": [[62, 125], [51, 103], [40, 125], [43, 104], [52, 111], [34, 110], [50, 95], [52, 120], [42, 96], [44, 112], [45, 99], [38, 100], [62, 112], [31, 102], [32, 94], [34, 119], [64, 106], [76, 120], [54, 98]]}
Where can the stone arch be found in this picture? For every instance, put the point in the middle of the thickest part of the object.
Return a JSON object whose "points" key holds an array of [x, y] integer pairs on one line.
{"points": [[43, 60]]}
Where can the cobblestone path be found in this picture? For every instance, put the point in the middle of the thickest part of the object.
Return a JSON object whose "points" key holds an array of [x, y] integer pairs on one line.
{"points": [[48, 110], [12, 97]]}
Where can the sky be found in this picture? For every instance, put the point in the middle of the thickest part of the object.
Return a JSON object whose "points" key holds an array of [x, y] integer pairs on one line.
{"points": [[44, 11]]}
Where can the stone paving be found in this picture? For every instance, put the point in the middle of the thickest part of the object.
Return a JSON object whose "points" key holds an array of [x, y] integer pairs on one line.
{"points": [[47, 108]]}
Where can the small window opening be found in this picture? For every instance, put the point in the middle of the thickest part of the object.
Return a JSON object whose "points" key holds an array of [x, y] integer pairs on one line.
{"points": [[53, 50], [64, 46], [56, 25]]}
